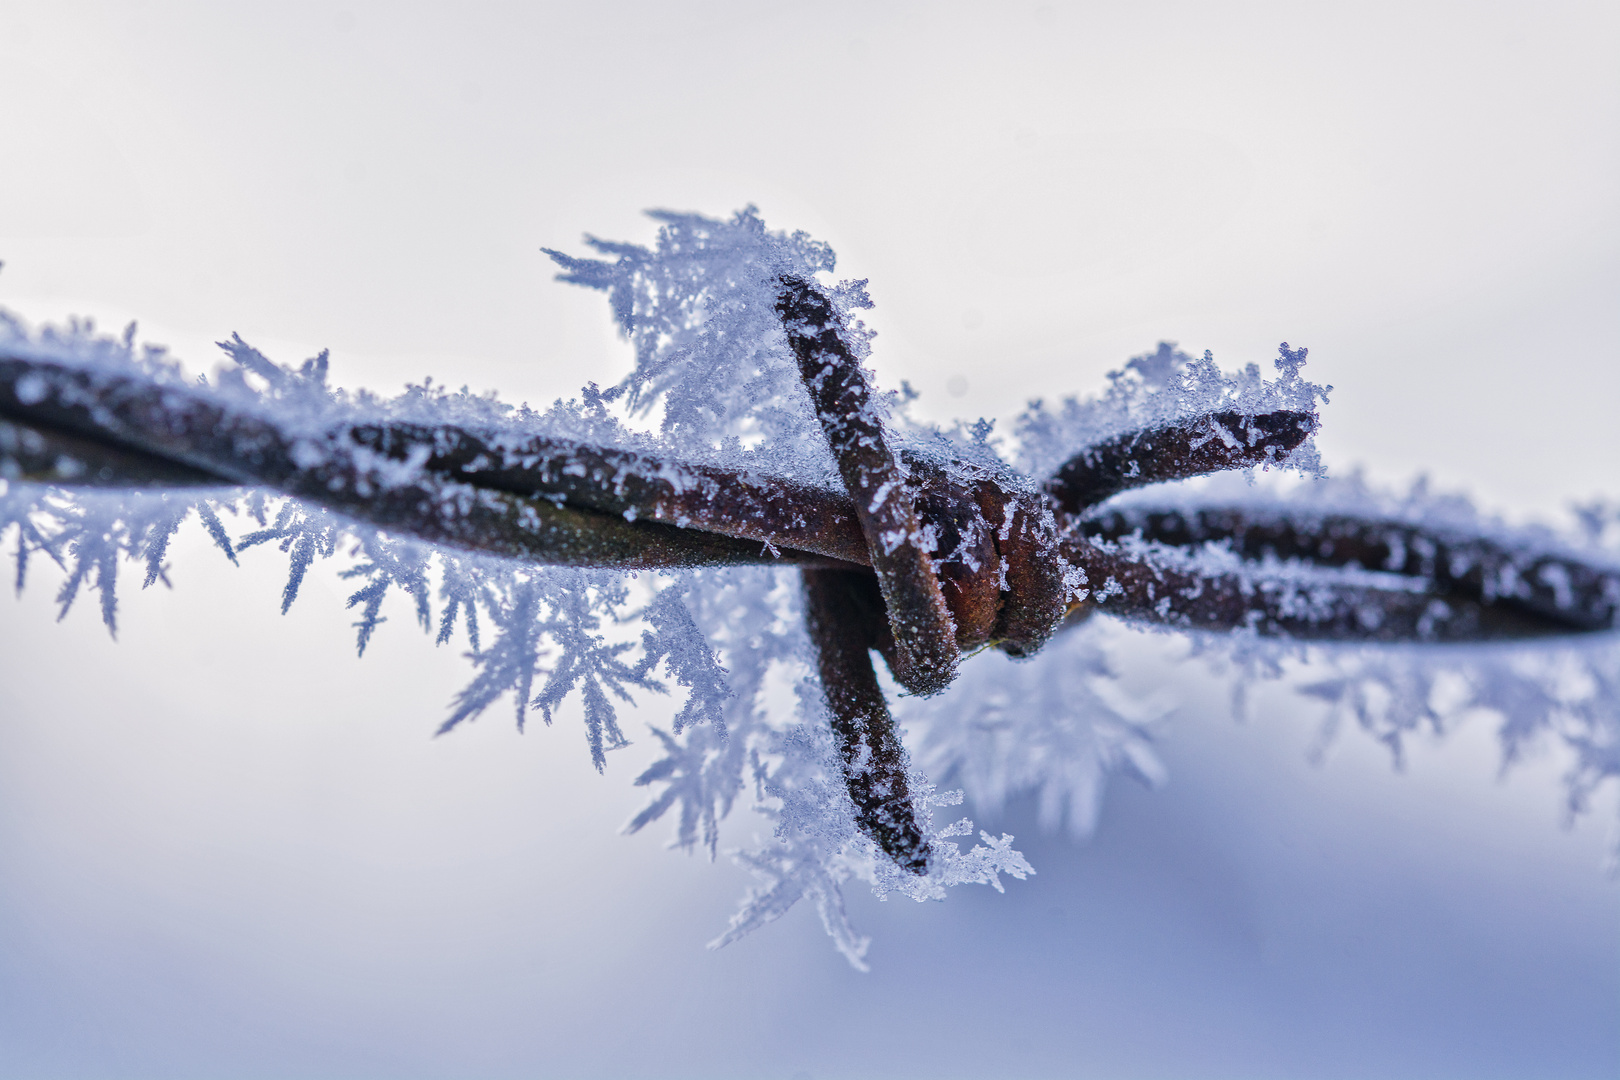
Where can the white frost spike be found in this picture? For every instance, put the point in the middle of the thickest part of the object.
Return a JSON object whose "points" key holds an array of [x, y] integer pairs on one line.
{"points": [[787, 874]]}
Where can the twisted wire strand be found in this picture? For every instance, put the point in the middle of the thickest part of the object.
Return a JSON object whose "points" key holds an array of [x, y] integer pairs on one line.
{"points": [[917, 560]]}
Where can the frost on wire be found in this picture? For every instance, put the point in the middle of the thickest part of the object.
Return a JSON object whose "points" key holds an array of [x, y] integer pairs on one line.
{"points": [[715, 373]]}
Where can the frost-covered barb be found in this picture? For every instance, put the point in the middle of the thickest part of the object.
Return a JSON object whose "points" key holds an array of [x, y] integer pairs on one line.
{"points": [[797, 523], [1166, 416]]}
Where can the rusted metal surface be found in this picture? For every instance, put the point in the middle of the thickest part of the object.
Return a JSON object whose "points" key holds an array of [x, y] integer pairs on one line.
{"points": [[1139, 586], [842, 609], [1542, 591], [926, 652], [965, 557], [42, 456], [1214, 442], [1036, 590], [130, 432], [635, 485]]}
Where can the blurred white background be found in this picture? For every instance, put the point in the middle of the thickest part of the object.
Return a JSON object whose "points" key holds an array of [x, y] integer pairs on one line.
{"points": [[228, 849]]}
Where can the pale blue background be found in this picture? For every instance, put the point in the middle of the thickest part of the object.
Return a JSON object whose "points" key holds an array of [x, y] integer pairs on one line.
{"points": [[227, 849]]}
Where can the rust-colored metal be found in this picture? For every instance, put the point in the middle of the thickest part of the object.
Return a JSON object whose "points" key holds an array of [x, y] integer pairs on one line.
{"points": [[1558, 593], [144, 434], [966, 559], [995, 555], [1034, 598], [842, 611], [925, 650], [635, 485], [1213, 442], [38, 456], [1137, 586]]}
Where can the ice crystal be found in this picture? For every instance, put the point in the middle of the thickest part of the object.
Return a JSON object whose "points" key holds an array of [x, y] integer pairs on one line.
{"points": [[1057, 725], [699, 308]]}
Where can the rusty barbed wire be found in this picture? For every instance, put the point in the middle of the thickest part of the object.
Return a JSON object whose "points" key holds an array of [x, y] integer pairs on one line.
{"points": [[917, 559]]}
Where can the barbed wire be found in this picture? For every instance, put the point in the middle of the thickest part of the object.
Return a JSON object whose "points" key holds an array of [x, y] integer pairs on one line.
{"points": [[918, 558]]}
